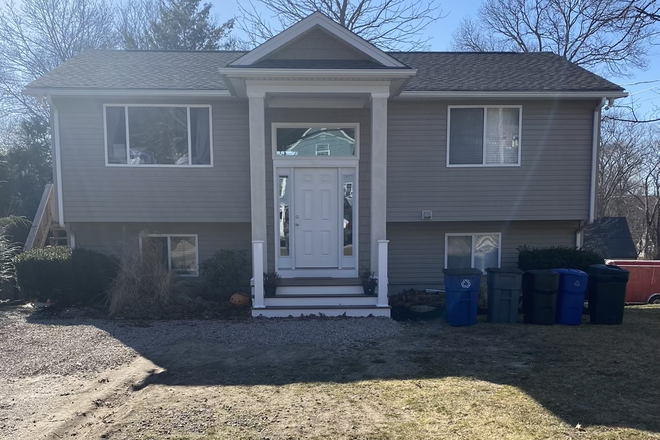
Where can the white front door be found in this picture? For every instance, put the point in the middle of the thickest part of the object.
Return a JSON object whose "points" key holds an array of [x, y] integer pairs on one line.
{"points": [[316, 217]]}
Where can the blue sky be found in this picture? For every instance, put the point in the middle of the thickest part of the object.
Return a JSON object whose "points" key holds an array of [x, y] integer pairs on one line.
{"points": [[644, 86]]}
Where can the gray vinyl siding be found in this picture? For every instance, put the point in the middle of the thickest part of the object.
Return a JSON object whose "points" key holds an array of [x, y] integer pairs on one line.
{"points": [[94, 192], [416, 250], [552, 183], [121, 239], [316, 45], [361, 116]]}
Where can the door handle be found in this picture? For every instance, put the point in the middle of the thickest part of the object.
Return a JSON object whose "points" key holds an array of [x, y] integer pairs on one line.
{"points": [[297, 224]]}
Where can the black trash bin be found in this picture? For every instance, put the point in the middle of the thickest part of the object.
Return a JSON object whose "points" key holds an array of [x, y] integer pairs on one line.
{"points": [[504, 287], [540, 288], [607, 293]]}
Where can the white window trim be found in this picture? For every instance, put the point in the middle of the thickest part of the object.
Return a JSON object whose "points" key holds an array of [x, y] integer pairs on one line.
{"points": [[472, 234], [169, 252], [128, 142], [482, 164], [313, 160]]}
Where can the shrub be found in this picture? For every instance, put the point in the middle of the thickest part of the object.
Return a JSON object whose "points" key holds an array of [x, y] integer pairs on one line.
{"points": [[16, 228], [226, 273], [556, 257], [143, 287], [65, 276]]}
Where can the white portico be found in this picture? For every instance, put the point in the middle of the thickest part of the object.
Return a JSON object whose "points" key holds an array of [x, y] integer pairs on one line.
{"points": [[306, 193]]}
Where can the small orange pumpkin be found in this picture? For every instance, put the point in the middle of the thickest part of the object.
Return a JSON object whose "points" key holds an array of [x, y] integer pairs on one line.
{"points": [[240, 299]]}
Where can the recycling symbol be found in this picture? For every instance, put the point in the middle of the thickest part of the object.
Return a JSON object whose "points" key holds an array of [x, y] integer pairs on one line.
{"points": [[465, 284], [577, 283]]}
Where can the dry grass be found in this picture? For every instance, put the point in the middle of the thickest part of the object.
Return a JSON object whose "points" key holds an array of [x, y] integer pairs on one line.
{"points": [[142, 281], [432, 382]]}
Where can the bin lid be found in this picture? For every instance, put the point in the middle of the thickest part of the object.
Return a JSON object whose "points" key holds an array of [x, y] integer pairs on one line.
{"points": [[570, 272], [504, 270], [462, 272], [541, 272], [607, 269]]}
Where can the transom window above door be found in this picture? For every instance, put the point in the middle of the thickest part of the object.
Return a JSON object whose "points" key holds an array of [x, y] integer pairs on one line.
{"points": [[141, 135], [315, 141]]}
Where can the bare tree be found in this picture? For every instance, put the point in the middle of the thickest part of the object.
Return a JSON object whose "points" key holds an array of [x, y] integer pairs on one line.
{"points": [[646, 195], [389, 24], [621, 159], [38, 35], [606, 35], [134, 20]]}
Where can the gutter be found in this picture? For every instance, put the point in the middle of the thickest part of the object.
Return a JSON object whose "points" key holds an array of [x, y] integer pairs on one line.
{"points": [[58, 160], [595, 138], [512, 94], [72, 91]]}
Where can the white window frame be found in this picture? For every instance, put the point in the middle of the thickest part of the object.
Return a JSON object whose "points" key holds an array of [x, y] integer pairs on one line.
{"points": [[473, 234], [483, 159], [128, 142], [169, 252]]}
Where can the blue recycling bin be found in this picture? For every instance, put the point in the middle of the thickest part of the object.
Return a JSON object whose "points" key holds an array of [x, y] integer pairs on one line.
{"points": [[570, 298], [461, 295]]}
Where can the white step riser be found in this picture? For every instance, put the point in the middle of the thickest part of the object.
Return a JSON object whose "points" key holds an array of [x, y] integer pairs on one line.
{"points": [[285, 313], [322, 301], [320, 290]]}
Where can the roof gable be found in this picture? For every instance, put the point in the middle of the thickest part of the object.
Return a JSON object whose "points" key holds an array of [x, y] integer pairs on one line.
{"points": [[293, 42]]}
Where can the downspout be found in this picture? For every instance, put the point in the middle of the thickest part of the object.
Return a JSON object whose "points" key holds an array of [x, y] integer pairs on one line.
{"points": [[594, 160], [595, 138], [58, 160]]}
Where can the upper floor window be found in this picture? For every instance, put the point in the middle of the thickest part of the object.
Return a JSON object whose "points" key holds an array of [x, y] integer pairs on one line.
{"points": [[315, 141], [484, 136], [158, 135]]}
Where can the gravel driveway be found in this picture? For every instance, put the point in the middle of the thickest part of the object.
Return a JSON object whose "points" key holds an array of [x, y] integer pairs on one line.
{"points": [[80, 346], [48, 364]]}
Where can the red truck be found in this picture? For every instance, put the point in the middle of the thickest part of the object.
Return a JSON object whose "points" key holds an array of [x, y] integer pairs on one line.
{"points": [[644, 282]]}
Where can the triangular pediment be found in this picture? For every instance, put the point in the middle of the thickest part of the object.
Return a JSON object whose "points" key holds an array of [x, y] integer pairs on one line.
{"points": [[317, 37]]}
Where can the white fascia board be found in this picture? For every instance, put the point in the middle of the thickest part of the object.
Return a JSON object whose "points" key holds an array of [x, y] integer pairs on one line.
{"points": [[31, 91], [317, 19], [235, 72], [260, 88], [529, 95]]}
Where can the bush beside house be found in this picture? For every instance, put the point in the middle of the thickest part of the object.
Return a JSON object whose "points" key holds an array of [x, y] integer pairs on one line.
{"points": [[65, 276], [558, 257]]}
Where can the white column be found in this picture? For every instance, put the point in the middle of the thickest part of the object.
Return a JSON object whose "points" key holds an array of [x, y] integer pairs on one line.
{"points": [[258, 270], [378, 173], [258, 172], [382, 273]]}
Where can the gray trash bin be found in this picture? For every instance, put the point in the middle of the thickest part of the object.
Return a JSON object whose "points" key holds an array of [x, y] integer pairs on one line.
{"points": [[504, 288]]}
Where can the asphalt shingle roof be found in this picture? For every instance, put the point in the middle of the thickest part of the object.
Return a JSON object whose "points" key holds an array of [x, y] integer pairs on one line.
{"points": [[436, 71]]}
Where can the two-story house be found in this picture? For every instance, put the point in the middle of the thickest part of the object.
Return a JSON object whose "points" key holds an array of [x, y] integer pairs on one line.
{"points": [[321, 155]]}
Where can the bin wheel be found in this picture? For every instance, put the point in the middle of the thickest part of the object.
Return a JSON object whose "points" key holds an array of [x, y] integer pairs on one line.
{"points": [[654, 299]]}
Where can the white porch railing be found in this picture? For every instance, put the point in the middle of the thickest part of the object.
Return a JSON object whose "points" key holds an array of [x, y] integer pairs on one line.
{"points": [[382, 273], [42, 221], [258, 274]]}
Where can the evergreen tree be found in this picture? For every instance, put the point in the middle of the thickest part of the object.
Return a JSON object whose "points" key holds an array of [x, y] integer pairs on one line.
{"points": [[26, 169], [179, 25]]}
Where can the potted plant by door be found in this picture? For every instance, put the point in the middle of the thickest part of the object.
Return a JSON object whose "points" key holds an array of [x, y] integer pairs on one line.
{"points": [[271, 280], [369, 282]]}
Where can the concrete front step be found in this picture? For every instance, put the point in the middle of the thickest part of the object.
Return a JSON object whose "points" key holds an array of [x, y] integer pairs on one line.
{"points": [[328, 300], [319, 290], [297, 311]]}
